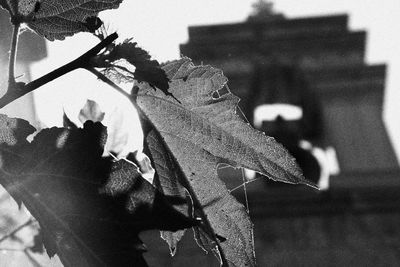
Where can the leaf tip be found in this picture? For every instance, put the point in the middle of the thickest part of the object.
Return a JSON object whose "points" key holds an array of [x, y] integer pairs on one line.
{"points": [[311, 184]]}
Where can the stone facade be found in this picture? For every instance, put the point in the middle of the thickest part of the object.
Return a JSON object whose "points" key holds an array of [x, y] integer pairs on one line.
{"points": [[257, 57]]}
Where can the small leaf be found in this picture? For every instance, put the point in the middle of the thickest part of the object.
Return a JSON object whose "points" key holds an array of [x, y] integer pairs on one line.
{"points": [[121, 71], [67, 123], [14, 131], [146, 69], [91, 111], [172, 239], [56, 19], [144, 164], [92, 23]]}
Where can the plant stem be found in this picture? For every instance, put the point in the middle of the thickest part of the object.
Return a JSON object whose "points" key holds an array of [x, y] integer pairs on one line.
{"points": [[13, 56], [81, 62], [103, 78], [19, 228]]}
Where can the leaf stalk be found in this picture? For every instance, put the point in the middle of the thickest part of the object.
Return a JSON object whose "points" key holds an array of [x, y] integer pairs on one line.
{"points": [[19, 228], [103, 78]]}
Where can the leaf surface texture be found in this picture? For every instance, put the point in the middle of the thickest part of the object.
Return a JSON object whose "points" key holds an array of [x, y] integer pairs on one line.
{"points": [[200, 129], [56, 19]]}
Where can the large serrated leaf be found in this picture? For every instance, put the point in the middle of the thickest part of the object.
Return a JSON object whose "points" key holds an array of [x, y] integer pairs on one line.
{"points": [[201, 129], [90, 208], [227, 217], [212, 123], [57, 19]]}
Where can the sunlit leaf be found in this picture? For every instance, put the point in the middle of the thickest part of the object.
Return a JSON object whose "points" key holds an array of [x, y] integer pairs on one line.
{"points": [[144, 164], [91, 111], [56, 19], [201, 130], [212, 123]]}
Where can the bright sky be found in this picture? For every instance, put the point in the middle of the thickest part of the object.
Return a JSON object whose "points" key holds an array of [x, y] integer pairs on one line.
{"points": [[160, 26]]}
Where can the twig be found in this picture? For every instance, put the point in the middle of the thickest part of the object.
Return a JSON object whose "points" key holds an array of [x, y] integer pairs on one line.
{"points": [[16, 230], [12, 249], [81, 62], [13, 54], [34, 262], [103, 78]]}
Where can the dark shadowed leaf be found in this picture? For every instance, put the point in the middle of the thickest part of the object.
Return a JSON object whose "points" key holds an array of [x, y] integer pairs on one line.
{"points": [[93, 23], [56, 19], [67, 123], [90, 208]]}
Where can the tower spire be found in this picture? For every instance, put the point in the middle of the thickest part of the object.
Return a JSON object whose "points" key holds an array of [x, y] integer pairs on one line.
{"points": [[263, 10]]}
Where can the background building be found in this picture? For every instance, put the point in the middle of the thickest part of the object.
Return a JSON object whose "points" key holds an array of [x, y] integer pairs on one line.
{"points": [[316, 66]]}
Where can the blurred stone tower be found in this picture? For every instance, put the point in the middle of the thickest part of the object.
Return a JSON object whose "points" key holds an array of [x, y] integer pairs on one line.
{"points": [[316, 64], [314, 69]]}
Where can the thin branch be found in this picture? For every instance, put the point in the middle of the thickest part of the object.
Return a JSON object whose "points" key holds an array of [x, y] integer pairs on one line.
{"points": [[16, 230], [12, 249], [81, 62], [245, 192], [13, 55], [103, 78], [34, 262], [122, 68], [243, 185]]}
